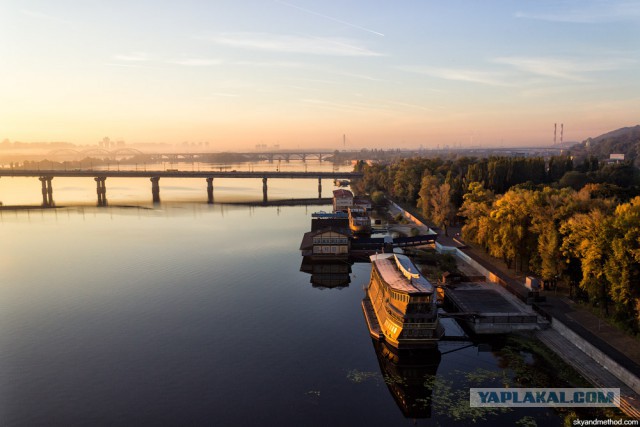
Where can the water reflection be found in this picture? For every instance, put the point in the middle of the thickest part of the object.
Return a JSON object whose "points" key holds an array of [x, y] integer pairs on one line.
{"points": [[407, 373], [327, 274]]}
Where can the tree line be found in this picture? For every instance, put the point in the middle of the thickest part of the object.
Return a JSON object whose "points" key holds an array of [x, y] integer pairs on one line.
{"points": [[576, 223]]}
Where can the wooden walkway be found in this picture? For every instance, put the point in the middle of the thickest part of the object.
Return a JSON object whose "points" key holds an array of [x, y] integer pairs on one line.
{"points": [[589, 369], [372, 321]]}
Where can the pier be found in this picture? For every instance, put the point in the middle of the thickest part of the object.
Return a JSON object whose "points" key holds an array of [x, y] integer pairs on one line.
{"points": [[100, 176], [489, 309]]}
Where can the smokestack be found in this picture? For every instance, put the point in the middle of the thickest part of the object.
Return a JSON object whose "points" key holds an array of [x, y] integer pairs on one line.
{"points": [[555, 127], [561, 131]]}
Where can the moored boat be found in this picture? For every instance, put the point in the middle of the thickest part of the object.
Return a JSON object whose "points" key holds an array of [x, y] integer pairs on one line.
{"points": [[400, 304], [359, 220]]}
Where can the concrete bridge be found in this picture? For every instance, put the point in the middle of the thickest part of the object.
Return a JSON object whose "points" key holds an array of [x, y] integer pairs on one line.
{"points": [[257, 156], [100, 176], [271, 156]]}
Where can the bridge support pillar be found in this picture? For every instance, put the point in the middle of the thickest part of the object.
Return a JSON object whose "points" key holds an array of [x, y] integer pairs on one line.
{"points": [[319, 188], [47, 191], [210, 190], [320, 157], [264, 190], [155, 188], [101, 189]]}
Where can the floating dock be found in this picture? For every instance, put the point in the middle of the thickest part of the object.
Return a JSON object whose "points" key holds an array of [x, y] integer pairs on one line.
{"points": [[489, 309]]}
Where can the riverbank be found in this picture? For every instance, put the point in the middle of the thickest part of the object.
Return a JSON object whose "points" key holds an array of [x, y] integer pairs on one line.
{"points": [[604, 356]]}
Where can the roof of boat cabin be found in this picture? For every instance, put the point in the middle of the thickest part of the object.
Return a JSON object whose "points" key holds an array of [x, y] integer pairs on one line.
{"points": [[390, 267], [342, 193]]}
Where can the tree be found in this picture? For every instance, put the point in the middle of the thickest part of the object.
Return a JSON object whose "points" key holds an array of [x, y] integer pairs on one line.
{"points": [[549, 208], [441, 206], [622, 268], [427, 186], [588, 238], [476, 208], [573, 179], [511, 240]]}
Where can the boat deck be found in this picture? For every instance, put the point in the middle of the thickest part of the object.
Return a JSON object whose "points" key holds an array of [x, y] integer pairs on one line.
{"points": [[372, 320], [390, 274]]}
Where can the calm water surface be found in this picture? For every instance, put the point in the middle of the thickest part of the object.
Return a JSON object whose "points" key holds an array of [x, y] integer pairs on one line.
{"points": [[195, 314]]}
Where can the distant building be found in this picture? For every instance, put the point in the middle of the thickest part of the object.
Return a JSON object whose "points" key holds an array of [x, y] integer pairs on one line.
{"points": [[614, 158], [342, 200]]}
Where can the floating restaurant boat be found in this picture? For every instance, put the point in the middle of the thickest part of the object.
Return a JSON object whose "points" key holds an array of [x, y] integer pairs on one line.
{"points": [[400, 304]]}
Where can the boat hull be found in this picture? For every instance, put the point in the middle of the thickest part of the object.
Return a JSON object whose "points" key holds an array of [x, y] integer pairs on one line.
{"points": [[375, 331]]}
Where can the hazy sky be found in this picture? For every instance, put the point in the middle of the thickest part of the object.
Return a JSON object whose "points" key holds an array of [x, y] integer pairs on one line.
{"points": [[302, 73]]}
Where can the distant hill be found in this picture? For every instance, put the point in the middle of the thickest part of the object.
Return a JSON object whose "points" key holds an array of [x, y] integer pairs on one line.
{"points": [[620, 141]]}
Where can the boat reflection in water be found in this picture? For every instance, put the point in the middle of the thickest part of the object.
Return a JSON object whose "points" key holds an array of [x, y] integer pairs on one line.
{"points": [[408, 374], [327, 274]]}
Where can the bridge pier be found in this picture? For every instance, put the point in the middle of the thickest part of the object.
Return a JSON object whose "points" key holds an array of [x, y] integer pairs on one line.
{"points": [[319, 188], [47, 191], [264, 190], [155, 188], [101, 189], [210, 190]]}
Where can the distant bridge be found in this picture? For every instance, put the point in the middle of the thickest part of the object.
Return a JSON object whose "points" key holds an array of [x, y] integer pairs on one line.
{"points": [[188, 156], [94, 152], [288, 155], [257, 156], [100, 176]]}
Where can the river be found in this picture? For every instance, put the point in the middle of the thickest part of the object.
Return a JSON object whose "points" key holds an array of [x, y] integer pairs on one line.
{"points": [[185, 313]]}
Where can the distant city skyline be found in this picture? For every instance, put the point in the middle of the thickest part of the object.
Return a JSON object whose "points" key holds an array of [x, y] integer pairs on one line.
{"points": [[301, 74]]}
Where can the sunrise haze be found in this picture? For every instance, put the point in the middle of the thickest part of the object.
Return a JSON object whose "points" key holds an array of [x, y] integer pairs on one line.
{"points": [[301, 74]]}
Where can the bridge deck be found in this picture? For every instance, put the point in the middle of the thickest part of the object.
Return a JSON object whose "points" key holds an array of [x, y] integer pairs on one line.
{"points": [[176, 174]]}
